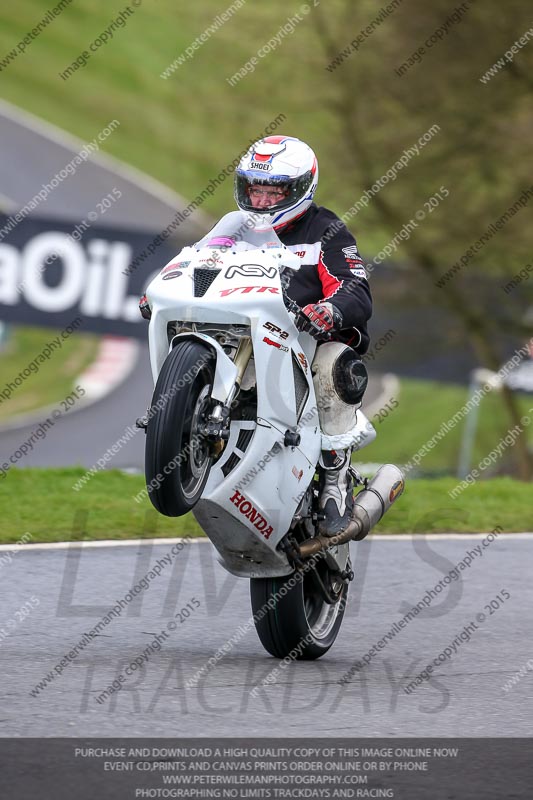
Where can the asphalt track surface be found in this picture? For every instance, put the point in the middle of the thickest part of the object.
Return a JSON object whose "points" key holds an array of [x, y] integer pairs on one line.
{"points": [[34, 151], [465, 696]]}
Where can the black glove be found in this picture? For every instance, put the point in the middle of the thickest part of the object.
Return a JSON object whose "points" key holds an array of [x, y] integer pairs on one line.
{"points": [[320, 320]]}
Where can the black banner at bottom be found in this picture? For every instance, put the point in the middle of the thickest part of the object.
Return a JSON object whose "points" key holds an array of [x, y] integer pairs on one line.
{"points": [[405, 769]]}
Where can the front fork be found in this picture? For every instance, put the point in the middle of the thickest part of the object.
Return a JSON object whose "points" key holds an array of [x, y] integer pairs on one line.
{"points": [[216, 428]]}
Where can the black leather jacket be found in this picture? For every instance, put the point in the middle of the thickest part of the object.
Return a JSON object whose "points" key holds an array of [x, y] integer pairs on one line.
{"points": [[332, 270]]}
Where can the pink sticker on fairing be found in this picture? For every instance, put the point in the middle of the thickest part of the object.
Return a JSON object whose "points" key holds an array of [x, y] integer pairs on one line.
{"points": [[221, 241]]}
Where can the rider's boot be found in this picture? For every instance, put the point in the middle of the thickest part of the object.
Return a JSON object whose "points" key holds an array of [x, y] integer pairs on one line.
{"points": [[335, 499]]}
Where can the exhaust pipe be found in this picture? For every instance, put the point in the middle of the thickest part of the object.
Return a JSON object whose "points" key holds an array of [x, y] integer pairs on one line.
{"points": [[369, 507]]}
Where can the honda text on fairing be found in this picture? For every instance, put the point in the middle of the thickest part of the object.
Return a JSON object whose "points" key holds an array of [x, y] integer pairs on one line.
{"points": [[233, 433]]}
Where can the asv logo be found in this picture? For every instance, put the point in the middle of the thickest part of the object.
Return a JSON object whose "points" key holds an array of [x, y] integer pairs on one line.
{"points": [[248, 289], [251, 271]]}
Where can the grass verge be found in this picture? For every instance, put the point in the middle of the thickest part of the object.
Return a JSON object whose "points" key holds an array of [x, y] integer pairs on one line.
{"points": [[422, 408], [42, 502], [45, 386]]}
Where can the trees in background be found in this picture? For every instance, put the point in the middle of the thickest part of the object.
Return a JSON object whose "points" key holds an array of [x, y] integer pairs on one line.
{"points": [[401, 73]]}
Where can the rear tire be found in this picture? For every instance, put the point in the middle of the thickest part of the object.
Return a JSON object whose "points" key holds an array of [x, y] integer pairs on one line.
{"points": [[177, 459], [301, 623]]}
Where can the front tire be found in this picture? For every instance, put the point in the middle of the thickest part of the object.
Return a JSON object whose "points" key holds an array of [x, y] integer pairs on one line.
{"points": [[301, 624], [177, 457]]}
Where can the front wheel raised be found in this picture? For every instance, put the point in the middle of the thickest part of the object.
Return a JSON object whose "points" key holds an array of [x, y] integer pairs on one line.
{"points": [[292, 616], [177, 455]]}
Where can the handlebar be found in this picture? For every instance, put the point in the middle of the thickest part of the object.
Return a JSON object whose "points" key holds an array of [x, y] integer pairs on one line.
{"points": [[302, 322]]}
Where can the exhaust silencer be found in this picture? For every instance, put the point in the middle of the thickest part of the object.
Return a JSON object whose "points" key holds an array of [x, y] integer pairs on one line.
{"points": [[369, 507], [374, 501]]}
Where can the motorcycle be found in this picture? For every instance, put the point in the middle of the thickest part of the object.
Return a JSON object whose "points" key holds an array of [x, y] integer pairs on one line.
{"points": [[233, 433]]}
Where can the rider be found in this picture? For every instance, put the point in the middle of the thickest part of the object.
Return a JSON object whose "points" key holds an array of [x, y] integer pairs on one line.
{"points": [[278, 177]]}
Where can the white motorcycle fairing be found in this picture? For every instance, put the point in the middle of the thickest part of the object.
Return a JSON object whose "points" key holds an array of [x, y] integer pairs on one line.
{"points": [[257, 483]]}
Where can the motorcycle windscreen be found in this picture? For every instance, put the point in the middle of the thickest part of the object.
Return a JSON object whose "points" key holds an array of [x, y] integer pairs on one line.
{"points": [[239, 231]]}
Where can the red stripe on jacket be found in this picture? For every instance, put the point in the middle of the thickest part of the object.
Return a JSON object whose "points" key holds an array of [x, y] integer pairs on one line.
{"points": [[330, 284]]}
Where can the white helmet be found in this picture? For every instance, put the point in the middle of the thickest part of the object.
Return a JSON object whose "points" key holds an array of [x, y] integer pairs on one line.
{"points": [[283, 163]]}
